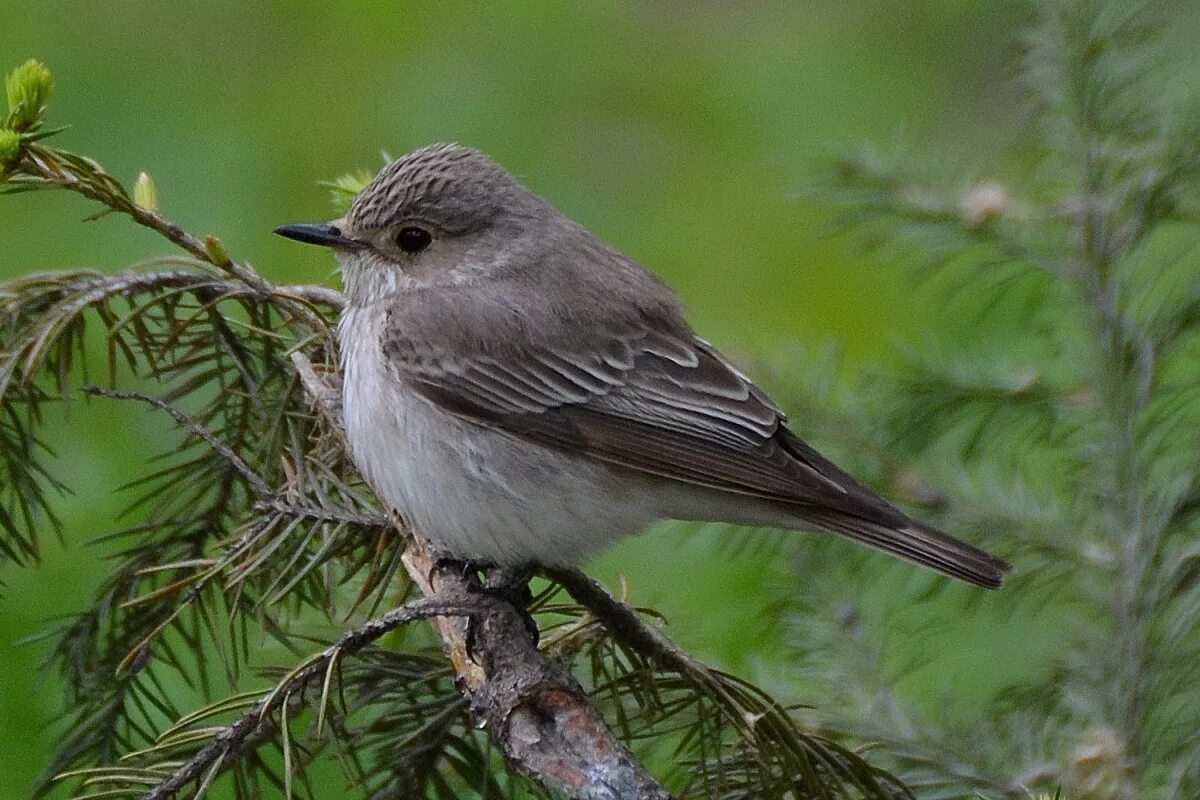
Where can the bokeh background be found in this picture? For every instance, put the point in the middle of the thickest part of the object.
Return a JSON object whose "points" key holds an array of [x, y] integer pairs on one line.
{"points": [[681, 132]]}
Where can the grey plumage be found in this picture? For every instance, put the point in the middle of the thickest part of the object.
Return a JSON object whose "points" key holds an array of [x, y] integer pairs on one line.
{"points": [[524, 392]]}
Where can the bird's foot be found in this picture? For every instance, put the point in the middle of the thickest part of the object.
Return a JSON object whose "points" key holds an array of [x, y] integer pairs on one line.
{"points": [[509, 584], [459, 568]]}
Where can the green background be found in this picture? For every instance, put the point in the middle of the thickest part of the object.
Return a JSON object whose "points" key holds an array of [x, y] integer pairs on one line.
{"points": [[680, 132]]}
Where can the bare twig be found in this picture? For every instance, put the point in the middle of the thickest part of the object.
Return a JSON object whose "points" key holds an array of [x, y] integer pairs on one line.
{"points": [[624, 622]]}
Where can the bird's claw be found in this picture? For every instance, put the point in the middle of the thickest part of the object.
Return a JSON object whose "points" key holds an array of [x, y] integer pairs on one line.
{"points": [[460, 568], [510, 585]]}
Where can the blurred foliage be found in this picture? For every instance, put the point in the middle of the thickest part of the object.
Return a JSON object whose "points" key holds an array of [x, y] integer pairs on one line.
{"points": [[1068, 432]]}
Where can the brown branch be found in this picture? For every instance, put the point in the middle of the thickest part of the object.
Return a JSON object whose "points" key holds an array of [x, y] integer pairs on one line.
{"points": [[624, 622], [541, 719]]}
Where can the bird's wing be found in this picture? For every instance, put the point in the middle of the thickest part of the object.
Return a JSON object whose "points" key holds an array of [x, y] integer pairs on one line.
{"points": [[644, 395]]}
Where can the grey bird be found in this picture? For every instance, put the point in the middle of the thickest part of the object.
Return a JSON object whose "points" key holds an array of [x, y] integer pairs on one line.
{"points": [[523, 393]]}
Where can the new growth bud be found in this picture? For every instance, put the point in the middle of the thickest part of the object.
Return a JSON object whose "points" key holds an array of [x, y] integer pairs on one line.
{"points": [[28, 88], [10, 148], [217, 253], [144, 192], [984, 203]]}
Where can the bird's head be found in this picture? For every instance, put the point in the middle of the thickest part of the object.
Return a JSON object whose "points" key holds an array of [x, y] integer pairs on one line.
{"points": [[441, 215]]}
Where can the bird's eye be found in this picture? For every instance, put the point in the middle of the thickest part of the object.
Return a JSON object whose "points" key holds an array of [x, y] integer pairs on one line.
{"points": [[412, 239]]}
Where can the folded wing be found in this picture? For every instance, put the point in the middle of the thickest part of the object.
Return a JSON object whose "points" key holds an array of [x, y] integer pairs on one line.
{"points": [[648, 397]]}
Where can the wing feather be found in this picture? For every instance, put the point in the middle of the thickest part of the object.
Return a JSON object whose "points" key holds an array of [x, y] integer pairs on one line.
{"points": [[649, 398]]}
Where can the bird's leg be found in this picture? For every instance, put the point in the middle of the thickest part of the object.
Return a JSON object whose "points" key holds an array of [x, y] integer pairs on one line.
{"points": [[464, 569], [511, 584]]}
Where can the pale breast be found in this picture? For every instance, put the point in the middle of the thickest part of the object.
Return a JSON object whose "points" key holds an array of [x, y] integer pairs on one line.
{"points": [[473, 491]]}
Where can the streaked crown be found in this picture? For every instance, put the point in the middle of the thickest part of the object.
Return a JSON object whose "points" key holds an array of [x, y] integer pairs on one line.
{"points": [[454, 187]]}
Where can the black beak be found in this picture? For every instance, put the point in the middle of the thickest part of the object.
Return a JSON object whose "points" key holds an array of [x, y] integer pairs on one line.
{"points": [[316, 233]]}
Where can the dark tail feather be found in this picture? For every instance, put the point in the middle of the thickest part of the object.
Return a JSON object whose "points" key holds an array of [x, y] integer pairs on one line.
{"points": [[919, 543], [880, 524]]}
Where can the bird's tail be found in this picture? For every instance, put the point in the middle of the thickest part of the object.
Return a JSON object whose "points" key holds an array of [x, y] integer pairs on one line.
{"points": [[858, 513], [917, 542]]}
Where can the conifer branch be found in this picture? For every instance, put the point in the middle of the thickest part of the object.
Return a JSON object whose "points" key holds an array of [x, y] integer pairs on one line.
{"points": [[223, 747], [1091, 461]]}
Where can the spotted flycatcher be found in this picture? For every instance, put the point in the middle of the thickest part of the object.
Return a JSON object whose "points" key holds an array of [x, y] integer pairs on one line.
{"points": [[523, 393]]}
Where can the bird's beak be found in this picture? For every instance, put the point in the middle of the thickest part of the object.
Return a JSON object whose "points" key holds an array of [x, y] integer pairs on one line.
{"points": [[321, 233]]}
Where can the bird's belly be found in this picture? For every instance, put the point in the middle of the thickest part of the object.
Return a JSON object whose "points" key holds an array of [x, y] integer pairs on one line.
{"points": [[478, 493]]}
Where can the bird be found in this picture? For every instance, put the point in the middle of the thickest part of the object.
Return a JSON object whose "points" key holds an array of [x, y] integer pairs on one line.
{"points": [[522, 393]]}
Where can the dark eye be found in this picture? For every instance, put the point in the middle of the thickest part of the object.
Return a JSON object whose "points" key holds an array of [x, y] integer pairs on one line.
{"points": [[412, 239]]}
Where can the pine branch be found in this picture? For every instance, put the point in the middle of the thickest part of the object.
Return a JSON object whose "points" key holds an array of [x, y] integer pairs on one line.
{"points": [[517, 689], [1095, 269], [224, 746]]}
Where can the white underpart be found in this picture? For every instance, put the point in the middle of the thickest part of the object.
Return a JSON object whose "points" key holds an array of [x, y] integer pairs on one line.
{"points": [[475, 492]]}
